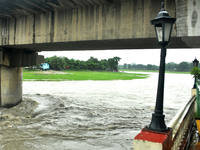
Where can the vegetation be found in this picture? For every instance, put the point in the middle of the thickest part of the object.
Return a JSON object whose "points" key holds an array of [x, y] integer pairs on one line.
{"points": [[105, 70], [195, 71], [181, 67], [154, 71], [79, 75], [59, 63]]}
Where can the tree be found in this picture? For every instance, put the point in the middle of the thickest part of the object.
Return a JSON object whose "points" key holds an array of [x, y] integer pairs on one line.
{"points": [[83, 65], [129, 66], [92, 63], [171, 66], [125, 66], [94, 60], [47, 60], [149, 67], [183, 66], [134, 66], [77, 64], [71, 63], [113, 63], [195, 71], [57, 63], [67, 61], [103, 64], [141, 67], [154, 67], [116, 62]]}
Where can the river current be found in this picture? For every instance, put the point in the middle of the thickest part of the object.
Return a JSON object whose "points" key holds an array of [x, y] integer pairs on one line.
{"points": [[88, 115]]}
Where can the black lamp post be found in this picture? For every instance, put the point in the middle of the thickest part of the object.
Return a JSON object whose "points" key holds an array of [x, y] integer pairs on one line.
{"points": [[163, 27], [195, 64]]}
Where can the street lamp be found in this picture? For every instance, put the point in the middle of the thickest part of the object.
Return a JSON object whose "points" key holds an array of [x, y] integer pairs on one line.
{"points": [[163, 27], [195, 64]]}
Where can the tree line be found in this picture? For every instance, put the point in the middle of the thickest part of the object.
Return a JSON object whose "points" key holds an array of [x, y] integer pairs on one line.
{"points": [[182, 67], [59, 63]]}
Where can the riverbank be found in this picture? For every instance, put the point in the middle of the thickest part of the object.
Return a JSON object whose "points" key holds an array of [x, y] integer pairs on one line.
{"points": [[68, 75], [176, 72]]}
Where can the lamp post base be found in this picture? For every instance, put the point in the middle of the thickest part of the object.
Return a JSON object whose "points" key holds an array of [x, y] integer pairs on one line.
{"points": [[153, 140], [157, 123]]}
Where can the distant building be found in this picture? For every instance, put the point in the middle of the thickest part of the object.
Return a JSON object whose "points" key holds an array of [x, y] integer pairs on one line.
{"points": [[44, 66]]}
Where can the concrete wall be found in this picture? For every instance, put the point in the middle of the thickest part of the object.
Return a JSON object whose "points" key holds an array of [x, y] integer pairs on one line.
{"points": [[121, 23], [188, 21]]}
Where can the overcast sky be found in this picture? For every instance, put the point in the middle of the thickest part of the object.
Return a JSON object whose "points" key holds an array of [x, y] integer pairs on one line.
{"points": [[148, 56]]}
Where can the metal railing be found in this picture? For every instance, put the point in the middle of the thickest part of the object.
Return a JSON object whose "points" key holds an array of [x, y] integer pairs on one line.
{"points": [[198, 99], [181, 124]]}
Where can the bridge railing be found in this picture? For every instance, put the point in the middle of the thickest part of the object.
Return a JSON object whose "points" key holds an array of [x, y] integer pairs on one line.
{"points": [[182, 124], [197, 108], [180, 135]]}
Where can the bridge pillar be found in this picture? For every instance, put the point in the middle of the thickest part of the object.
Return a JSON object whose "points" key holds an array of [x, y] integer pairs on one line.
{"points": [[11, 74], [10, 85]]}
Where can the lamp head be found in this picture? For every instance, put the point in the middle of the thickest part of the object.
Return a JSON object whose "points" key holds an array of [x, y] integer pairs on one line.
{"points": [[195, 62], [163, 26]]}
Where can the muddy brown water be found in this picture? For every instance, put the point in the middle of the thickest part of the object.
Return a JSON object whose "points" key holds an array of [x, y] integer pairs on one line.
{"points": [[87, 115]]}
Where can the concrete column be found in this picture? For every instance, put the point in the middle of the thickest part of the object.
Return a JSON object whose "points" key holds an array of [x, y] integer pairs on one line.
{"points": [[10, 85], [11, 73]]}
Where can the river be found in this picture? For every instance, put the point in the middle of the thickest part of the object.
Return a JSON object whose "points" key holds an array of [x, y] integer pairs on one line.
{"points": [[88, 115]]}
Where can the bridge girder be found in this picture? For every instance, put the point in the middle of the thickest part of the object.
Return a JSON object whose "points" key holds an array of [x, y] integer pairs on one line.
{"points": [[41, 25], [13, 8]]}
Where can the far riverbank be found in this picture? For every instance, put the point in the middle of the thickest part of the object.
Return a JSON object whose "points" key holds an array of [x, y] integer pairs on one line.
{"points": [[150, 71], [71, 75]]}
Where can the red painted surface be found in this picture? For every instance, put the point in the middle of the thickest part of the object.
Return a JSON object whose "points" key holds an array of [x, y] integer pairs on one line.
{"points": [[164, 138], [151, 137]]}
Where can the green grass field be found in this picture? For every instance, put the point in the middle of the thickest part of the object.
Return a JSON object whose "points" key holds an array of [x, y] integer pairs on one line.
{"points": [[37, 75]]}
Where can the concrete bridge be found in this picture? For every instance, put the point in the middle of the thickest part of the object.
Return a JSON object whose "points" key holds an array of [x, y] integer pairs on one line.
{"points": [[45, 25], [30, 26]]}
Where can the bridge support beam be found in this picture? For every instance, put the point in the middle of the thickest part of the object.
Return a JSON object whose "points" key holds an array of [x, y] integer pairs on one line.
{"points": [[11, 74]]}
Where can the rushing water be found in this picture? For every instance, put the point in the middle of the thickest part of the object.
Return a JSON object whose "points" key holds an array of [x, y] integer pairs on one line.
{"points": [[87, 115]]}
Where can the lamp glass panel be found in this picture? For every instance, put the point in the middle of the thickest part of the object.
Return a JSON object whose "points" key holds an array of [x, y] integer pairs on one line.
{"points": [[167, 31], [159, 33], [195, 63]]}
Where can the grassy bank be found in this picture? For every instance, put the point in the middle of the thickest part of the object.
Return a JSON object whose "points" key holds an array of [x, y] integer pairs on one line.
{"points": [[37, 75], [155, 71]]}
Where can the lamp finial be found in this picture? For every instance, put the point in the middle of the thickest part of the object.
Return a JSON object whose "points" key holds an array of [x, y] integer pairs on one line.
{"points": [[162, 6]]}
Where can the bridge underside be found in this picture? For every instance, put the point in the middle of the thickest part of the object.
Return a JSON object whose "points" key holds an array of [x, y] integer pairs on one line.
{"points": [[149, 43], [52, 25]]}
